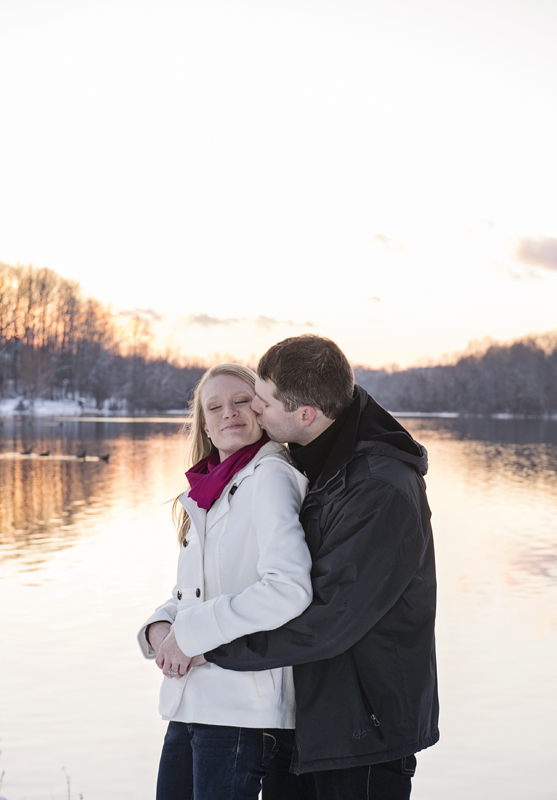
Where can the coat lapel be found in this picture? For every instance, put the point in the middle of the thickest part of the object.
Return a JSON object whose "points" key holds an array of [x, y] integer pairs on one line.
{"points": [[197, 515], [202, 521], [222, 506]]}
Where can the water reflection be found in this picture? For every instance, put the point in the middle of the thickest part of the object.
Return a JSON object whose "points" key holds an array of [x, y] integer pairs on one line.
{"points": [[102, 549], [48, 502], [486, 429], [42, 502], [513, 449], [493, 490]]}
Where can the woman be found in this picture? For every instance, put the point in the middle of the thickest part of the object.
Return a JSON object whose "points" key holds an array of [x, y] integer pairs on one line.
{"points": [[243, 567]]}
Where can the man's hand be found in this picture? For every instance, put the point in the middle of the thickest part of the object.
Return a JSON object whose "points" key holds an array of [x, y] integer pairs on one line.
{"points": [[156, 633], [170, 658]]}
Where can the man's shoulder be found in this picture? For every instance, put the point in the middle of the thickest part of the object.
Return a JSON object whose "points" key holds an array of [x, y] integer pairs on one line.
{"points": [[376, 463], [375, 475]]}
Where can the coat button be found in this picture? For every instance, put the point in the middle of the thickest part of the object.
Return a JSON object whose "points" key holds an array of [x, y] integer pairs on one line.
{"points": [[179, 595], [198, 592]]}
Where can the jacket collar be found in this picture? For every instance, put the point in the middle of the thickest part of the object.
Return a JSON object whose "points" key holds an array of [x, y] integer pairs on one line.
{"points": [[198, 515], [366, 427]]}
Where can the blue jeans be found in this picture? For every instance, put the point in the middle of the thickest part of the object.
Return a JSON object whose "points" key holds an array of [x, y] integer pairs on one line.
{"points": [[215, 762], [391, 780]]}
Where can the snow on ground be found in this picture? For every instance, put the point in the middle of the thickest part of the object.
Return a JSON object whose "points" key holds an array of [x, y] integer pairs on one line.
{"points": [[12, 406], [17, 406]]}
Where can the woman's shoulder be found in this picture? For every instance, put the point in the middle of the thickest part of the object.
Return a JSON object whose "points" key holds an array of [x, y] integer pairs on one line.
{"points": [[275, 464], [273, 449], [274, 455]]}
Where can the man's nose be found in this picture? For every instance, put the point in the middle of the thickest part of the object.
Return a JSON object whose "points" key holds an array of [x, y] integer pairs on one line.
{"points": [[256, 405]]}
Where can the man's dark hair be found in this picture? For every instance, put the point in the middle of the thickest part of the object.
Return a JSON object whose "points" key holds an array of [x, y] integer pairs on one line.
{"points": [[309, 370]]}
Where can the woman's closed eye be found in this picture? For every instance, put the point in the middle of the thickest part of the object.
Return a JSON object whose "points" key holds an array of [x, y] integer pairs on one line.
{"points": [[239, 402]]}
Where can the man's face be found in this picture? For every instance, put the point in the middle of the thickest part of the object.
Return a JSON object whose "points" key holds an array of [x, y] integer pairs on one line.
{"points": [[281, 425]]}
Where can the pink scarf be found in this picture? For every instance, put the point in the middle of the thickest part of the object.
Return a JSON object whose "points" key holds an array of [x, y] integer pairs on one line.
{"points": [[209, 476]]}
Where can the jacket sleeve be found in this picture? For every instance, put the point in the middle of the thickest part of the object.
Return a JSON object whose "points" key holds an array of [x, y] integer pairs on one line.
{"points": [[164, 613], [284, 566], [369, 554]]}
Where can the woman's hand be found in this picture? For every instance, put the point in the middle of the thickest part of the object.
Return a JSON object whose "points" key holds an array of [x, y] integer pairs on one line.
{"points": [[170, 658], [156, 633]]}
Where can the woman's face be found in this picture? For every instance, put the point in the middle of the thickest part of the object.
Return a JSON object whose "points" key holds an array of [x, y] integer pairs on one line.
{"points": [[229, 420]]}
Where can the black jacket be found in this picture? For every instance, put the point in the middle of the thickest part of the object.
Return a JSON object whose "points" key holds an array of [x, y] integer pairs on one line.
{"points": [[364, 650]]}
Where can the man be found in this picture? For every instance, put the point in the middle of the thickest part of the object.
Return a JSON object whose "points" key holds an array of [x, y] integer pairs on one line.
{"points": [[363, 651]]}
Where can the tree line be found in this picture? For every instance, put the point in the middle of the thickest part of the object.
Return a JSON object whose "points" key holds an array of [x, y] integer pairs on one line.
{"points": [[518, 377], [55, 343]]}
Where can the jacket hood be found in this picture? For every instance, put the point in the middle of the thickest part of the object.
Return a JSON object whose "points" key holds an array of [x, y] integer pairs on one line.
{"points": [[369, 428]]}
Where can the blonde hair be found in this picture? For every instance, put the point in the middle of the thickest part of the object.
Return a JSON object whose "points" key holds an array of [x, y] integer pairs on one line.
{"points": [[199, 443]]}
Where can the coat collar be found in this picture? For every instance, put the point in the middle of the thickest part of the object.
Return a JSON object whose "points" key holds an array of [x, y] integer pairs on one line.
{"points": [[198, 515], [368, 427]]}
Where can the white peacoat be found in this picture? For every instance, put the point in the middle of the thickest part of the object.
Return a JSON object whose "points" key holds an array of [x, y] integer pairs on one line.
{"points": [[244, 567]]}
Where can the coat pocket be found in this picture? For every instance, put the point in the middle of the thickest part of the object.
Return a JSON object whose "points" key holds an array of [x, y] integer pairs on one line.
{"points": [[370, 711], [264, 681], [170, 695]]}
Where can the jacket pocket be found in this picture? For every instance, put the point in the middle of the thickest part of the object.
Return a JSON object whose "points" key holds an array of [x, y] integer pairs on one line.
{"points": [[369, 709], [170, 695], [264, 681]]}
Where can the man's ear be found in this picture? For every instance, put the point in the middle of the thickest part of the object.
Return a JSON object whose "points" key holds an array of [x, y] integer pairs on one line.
{"points": [[308, 415]]}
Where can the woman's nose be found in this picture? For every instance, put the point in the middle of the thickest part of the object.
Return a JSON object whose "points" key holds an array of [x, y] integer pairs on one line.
{"points": [[229, 411]]}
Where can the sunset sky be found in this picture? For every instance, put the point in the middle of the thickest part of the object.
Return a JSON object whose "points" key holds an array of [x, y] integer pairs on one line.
{"points": [[382, 172]]}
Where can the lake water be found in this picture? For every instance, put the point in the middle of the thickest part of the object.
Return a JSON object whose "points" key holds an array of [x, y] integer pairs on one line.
{"points": [[87, 550]]}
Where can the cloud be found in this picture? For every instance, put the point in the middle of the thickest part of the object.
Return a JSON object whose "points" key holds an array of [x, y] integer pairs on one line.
{"points": [[266, 322], [207, 321], [144, 313], [388, 242], [522, 272], [270, 322], [541, 252]]}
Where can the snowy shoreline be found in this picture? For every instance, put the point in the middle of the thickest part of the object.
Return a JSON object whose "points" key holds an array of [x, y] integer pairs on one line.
{"points": [[12, 407]]}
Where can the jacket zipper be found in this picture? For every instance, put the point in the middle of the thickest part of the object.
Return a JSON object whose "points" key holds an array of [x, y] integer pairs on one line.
{"points": [[373, 718], [320, 489], [369, 710], [337, 473]]}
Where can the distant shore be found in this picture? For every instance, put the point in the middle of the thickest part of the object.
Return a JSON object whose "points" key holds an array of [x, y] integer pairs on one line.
{"points": [[24, 407]]}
